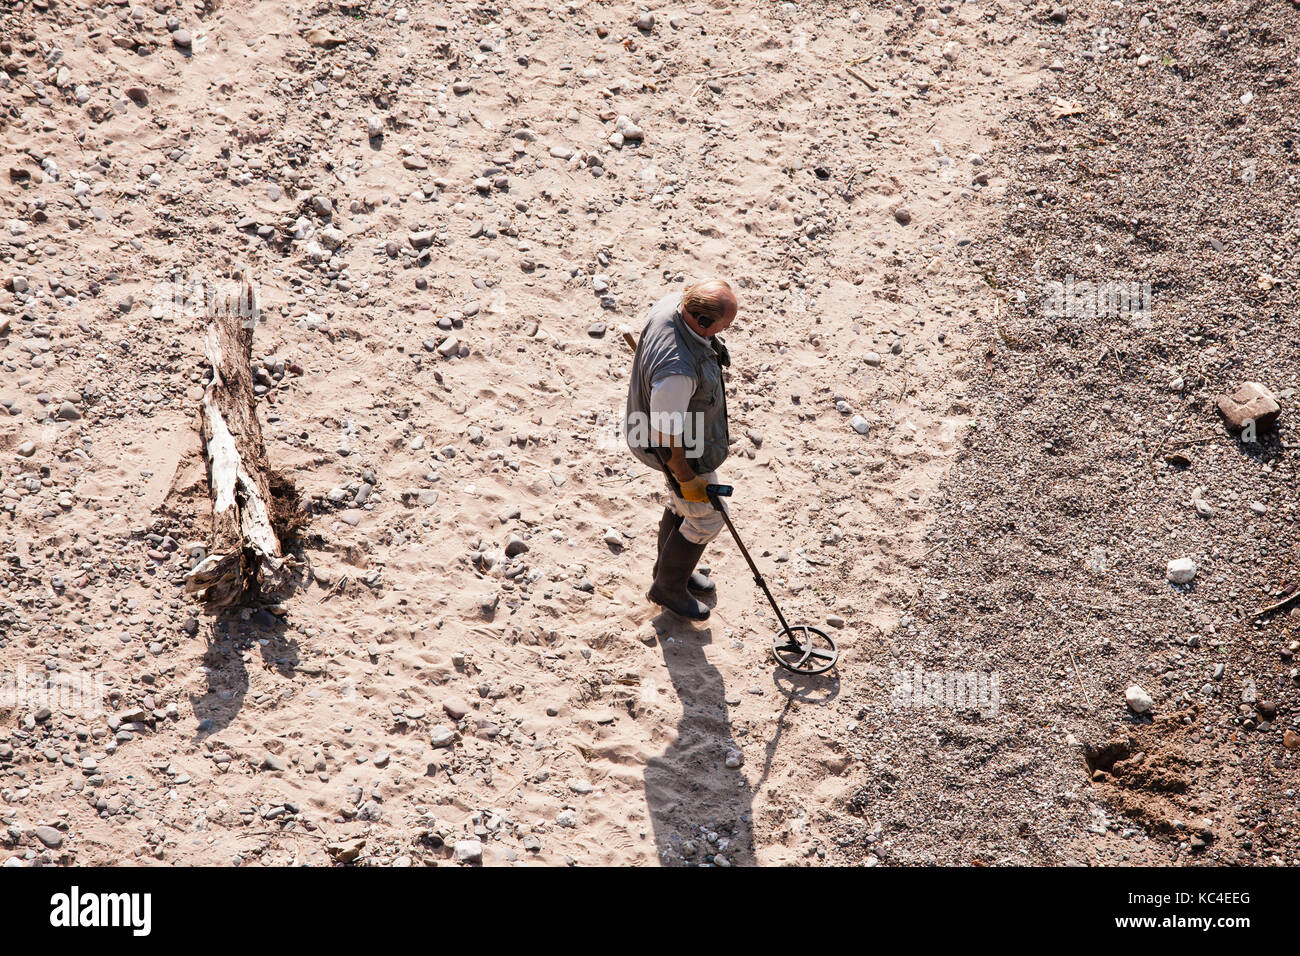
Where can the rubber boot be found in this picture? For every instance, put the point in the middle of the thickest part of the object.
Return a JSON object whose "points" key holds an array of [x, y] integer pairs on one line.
{"points": [[675, 566], [669, 523]]}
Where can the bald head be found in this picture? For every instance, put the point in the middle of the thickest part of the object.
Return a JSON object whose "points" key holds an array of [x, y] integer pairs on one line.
{"points": [[709, 306]]}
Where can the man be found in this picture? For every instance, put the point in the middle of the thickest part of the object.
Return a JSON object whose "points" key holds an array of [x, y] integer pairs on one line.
{"points": [[676, 421]]}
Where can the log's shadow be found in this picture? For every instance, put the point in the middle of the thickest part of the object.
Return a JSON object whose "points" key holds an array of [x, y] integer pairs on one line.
{"points": [[700, 808], [224, 665], [237, 629]]}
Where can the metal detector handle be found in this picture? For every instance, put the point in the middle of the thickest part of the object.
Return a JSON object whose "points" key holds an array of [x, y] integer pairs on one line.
{"points": [[717, 491]]}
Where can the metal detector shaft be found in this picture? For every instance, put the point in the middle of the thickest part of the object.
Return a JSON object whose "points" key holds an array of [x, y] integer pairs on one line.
{"points": [[716, 491]]}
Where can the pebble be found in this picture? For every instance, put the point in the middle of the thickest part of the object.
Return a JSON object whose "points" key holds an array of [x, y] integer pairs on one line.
{"points": [[860, 424], [1203, 507], [182, 39], [903, 215], [455, 707], [51, 837], [441, 736], [630, 131], [273, 762], [646, 21], [1251, 402], [1138, 700], [346, 851], [318, 36], [515, 546], [468, 851], [1181, 571]]}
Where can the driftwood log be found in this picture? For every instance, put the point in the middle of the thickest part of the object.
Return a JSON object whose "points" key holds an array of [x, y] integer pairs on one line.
{"points": [[244, 560]]}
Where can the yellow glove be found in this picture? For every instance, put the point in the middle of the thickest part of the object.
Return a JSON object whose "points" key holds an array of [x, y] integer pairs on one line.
{"points": [[693, 490]]}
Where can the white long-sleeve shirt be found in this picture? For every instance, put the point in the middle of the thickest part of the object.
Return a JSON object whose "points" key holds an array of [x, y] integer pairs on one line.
{"points": [[669, 397]]}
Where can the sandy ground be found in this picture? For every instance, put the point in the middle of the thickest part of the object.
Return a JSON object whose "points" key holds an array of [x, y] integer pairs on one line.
{"points": [[443, 371], [594, 729]]}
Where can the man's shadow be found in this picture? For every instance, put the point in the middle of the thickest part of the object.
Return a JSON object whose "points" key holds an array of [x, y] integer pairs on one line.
{"points": [[700, 808]]}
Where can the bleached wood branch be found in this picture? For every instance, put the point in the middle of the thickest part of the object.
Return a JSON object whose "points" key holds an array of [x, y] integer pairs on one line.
{"points": [[244, 560]]}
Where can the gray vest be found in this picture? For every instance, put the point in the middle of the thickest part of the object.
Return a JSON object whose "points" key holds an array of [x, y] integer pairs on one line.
{"points": [[667, 347]]}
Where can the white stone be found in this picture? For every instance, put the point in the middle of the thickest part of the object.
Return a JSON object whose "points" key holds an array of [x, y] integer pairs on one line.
{"points": [[1138, 700], [1181, 570], [469, 851]]}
